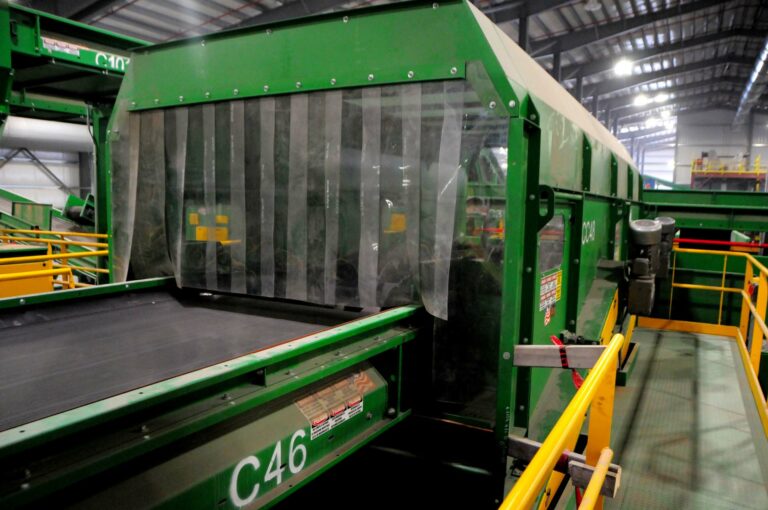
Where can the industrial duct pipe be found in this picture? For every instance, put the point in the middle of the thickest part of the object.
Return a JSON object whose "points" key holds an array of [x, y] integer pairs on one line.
{"points": [[45, 135]]}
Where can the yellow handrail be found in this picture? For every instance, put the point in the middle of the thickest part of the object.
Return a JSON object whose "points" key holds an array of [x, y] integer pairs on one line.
{"points": [[35, 274], [531, 482], [53, 233], [758, 313], [54, 256], [54, 241], [592, 494]]}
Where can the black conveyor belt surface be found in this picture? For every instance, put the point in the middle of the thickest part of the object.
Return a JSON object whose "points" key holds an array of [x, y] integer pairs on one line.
{"points": [[58, 357]]}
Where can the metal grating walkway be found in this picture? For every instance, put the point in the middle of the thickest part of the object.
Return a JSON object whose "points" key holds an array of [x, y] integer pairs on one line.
{"points": [[686, 429]]}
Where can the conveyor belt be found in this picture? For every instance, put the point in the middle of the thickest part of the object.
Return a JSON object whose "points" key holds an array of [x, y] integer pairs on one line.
{"points": [[62, 356], [687, 431]]}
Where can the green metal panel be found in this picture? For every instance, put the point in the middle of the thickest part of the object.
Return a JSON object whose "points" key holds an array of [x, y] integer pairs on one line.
{"points": [[731, 210]]}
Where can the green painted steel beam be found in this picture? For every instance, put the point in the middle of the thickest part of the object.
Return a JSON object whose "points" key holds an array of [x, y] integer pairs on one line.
{"points": [[85, 292]]}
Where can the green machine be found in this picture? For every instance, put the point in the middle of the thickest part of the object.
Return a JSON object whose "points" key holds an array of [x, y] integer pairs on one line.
{"points": [[329, 237], [55, 69]]}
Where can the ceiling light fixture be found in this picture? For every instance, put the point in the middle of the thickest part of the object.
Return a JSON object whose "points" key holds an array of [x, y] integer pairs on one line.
{"points": [[593, 5], [623, 67], [641, 100], [662, 97]]}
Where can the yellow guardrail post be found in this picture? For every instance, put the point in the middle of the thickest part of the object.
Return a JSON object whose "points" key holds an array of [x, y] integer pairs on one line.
{"points": [[528, 487], [592, 498], [722, 294], [757, 331], [744, 321], [601, 418]]}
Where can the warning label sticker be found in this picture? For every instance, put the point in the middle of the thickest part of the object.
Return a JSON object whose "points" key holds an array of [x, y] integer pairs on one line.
{"points": [[549, 290], [336, 403], [62, 46]]}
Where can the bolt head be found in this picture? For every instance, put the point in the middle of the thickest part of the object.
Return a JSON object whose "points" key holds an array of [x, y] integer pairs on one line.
{"points": [[269, 31], [492, 105], [435, 5], [235, 91], [411, 74], [181, 99], [345, 19], [266, 88], [333, 81], [512, 103], [298, 84], [454, 70], [506, 355], [370, 77]]}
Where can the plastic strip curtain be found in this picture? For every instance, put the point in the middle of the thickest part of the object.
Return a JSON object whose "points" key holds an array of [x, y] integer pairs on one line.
{"points": [[340, 197]]}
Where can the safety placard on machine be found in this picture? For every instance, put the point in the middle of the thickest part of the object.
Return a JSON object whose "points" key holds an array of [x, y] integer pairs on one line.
{"points": [[549, 290], [333, 405]]}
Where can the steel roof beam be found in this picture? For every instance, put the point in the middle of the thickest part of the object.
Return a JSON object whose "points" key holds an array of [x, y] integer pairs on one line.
{"points": [[626, 101], [596, 33], [754, 88], [291, 10], [617, 84], [72, 9], [602, 65], [513, 10]]}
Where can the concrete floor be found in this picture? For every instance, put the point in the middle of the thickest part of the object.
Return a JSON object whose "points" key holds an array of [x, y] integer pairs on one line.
{"points": [[686, 430]]}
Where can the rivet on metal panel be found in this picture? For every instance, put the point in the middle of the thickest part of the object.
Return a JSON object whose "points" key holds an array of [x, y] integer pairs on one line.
{"points": [[512, 103], [506, 355], [333, 81], [533, 116], [492, 105], [345, 19], [391, 411], [454, 70], [22, 301], [266, 88], [531, 197], [575, 261], [525, 339], [528, 269], [298, 84], [410, 74], [522, 408], [370, 77]]}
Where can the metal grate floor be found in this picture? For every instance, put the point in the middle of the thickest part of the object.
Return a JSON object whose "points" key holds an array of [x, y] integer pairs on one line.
{"points": [[686, 430]]}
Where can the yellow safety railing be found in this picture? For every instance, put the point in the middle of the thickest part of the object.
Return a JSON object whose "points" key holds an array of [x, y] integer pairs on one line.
{"points": [[596, 395], [60, 260], [69, 281], [752, 328]]}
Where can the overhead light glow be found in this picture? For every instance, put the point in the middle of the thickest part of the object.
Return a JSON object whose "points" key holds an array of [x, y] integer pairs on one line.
{"points": [[652, 122], [666, 114], [663, 97], [623, 67], [641, 100], [593, 5]]}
